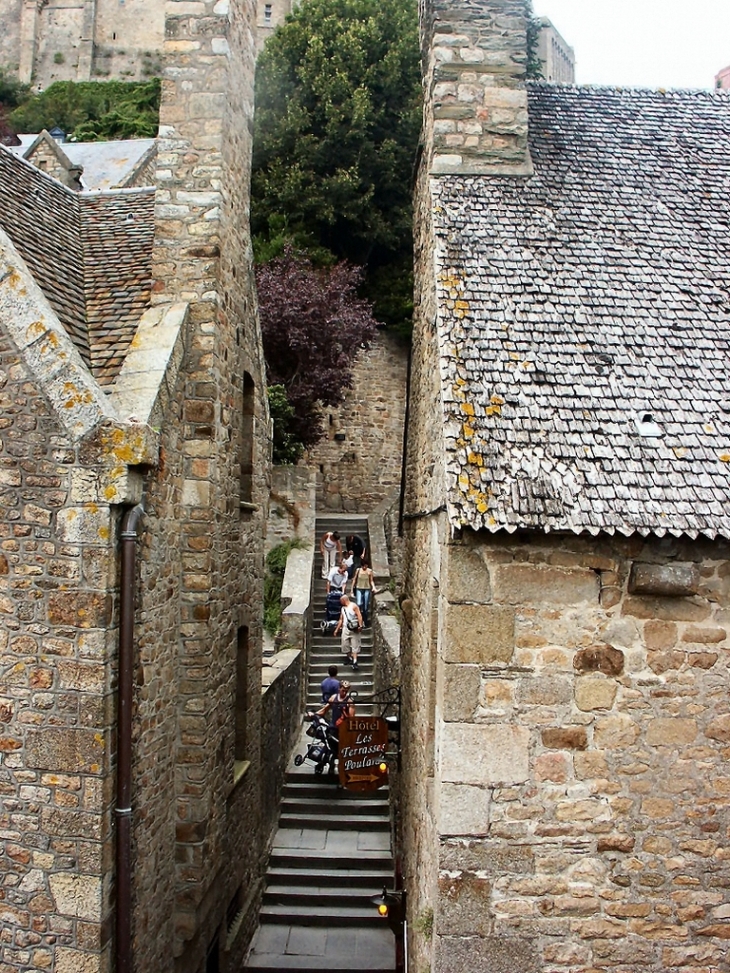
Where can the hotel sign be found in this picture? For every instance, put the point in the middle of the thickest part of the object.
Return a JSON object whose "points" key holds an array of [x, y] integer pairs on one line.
{"points": [[363, 742]]}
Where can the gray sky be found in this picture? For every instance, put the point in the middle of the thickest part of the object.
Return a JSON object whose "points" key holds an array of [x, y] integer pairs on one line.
{"points": [[644, 43]]}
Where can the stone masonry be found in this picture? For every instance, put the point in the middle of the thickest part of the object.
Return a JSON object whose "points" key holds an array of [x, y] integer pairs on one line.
{"points": [[574, 775], [359, 460], [182, 419], [567, 544], [43, 41], [473, 67]]}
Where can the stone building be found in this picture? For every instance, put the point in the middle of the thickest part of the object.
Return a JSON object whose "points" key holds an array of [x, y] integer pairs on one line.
{"points": [[557, 57], [121, 164], [565, 657], [43, 41], [131, 372]]}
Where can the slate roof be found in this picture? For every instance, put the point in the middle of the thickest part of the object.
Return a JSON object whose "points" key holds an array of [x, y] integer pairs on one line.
{"points": [[106, 165], [576, 300], [91, 254]]}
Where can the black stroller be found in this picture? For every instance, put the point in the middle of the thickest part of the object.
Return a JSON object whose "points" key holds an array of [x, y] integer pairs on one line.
{"points": [[332, 611], [322, 751]]}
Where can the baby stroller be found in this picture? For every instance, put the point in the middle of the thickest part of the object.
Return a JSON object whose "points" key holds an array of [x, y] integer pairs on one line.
{"points": [[322, 751], [332, 611]]}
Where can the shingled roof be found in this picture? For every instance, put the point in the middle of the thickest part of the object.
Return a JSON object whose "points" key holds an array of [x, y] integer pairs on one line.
{"points": [[90, 253], [584, 320]]}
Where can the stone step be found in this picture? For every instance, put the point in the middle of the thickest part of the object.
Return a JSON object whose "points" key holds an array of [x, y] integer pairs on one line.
{"points": [[308, 858], [295, 787], [276, 963], [321, 897], [335, 822], [336, 915], [329, 877], [327, 805]]}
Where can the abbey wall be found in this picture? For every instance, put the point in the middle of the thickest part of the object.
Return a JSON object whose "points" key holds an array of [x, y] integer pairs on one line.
{"points": [[81, 40], [358, 463], [43, 41]]}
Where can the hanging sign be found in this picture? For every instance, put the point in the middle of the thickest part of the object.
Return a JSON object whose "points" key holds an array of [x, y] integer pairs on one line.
{"points": [[363, 742]]}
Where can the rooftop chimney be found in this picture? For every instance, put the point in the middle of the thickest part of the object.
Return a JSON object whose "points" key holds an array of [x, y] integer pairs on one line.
{"points": [[474, 55]]}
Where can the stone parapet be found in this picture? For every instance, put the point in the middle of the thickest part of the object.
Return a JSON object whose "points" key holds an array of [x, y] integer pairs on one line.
{"points": [[283, 689], [297, 614]]}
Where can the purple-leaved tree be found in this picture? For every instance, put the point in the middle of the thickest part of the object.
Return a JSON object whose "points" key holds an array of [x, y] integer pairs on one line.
{"points": [[313, 325]]}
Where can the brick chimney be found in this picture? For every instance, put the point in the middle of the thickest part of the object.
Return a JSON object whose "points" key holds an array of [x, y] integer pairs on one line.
{"points": [[474, 56]]}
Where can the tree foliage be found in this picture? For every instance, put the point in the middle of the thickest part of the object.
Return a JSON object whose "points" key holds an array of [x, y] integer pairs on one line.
{"points": [[313, 324], [287, 448], [12, 92], [338, 116], [92, 111]]}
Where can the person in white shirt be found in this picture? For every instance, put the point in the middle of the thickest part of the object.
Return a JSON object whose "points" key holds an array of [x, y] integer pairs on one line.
{"points": [[337, 578], [331, 550]]}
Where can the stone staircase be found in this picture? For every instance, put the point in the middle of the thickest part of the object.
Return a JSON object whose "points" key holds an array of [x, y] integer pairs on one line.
{"points": [[332, 849]]}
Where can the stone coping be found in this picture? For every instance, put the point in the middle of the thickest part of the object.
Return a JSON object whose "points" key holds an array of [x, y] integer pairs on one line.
{"points": [[276, 665], [151, 367], [297, 584], [75, 396]]}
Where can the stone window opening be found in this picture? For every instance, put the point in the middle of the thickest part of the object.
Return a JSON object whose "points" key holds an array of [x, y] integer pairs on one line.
{"points": [[240, 763], [247, 443], [267, 14], [234, 917]]}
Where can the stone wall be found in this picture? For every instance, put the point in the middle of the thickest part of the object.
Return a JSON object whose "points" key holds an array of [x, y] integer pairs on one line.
{"points": [[581, 732], [66, 466], [291, 505], [359, 460], [56, 708], [82, 40], [88, 40], [281, 722], [10, 17], [203, 256]]}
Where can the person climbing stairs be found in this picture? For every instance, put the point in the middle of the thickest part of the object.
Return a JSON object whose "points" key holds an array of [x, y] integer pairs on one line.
{"points": [[332, 850]]}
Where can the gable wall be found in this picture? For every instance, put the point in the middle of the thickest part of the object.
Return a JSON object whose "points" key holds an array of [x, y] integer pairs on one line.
{"points": [[57, 640], [44, 157]]}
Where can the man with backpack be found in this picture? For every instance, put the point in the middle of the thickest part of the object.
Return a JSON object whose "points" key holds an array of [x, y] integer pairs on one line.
{"points": [[350, 624]]}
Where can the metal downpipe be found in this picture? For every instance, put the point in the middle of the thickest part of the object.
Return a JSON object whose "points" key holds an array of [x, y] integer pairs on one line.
{"points": [[123, 808]]}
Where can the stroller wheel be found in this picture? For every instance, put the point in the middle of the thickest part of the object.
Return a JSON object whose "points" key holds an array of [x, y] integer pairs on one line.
{"points": [[298, 760], [318, 769]]}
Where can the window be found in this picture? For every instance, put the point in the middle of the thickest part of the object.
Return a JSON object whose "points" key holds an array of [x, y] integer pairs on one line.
{"points": [[242, 701], [267, 14], [247, 440]]}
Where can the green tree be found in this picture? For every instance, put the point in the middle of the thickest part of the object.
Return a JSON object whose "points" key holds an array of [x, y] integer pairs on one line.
{"points": [[12, 92], [93, 111], [338, 116]]}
